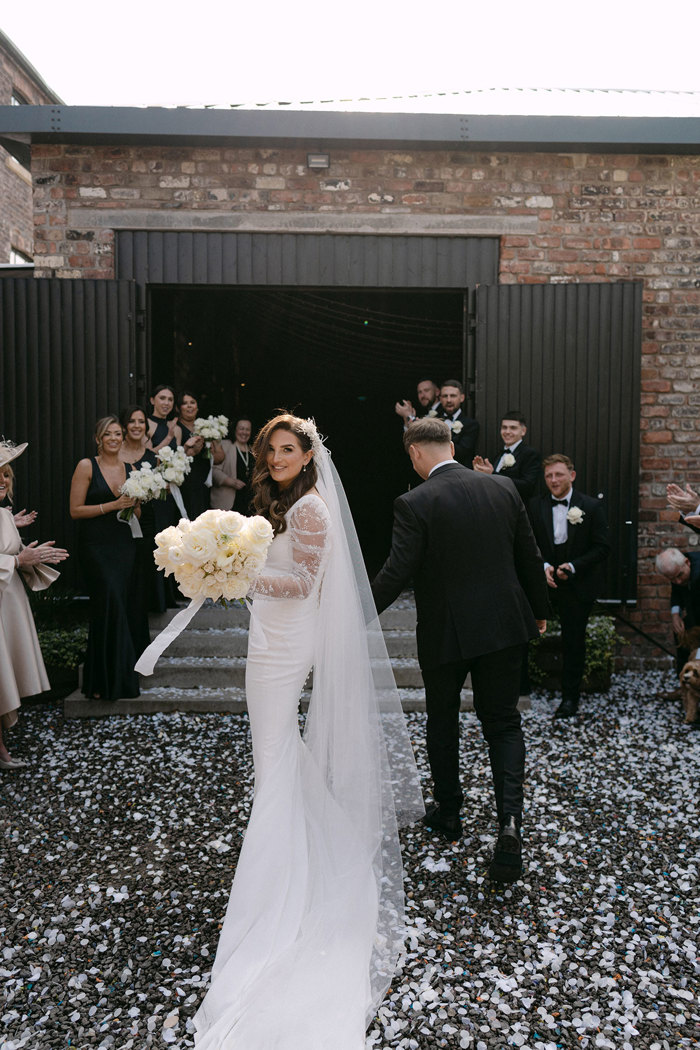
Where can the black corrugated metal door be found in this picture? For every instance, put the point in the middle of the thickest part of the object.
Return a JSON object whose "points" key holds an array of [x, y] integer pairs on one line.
{"points": [[67, 357], [569, 357]]}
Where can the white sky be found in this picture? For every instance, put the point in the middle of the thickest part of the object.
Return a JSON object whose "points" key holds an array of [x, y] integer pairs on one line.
{"points": [[145, 52]]}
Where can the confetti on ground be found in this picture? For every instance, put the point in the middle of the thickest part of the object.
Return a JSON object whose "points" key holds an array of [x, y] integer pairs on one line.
{"points": [[119, 845]]}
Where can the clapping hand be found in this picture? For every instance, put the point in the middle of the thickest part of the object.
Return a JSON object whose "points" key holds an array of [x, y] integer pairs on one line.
{"points": [[194, 445], [684, 500], [24, 518], [37, 553], [406, 410], [484, 466], [692, 519]]}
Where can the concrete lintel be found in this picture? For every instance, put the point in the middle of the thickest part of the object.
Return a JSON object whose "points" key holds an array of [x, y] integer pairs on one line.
{"points": [[301, 222]]}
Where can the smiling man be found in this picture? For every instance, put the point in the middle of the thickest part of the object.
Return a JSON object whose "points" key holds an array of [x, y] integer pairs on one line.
{"points": [[572, 534], [515, 460]]}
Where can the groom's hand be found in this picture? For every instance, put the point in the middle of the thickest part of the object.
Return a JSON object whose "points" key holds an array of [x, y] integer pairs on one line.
{"points": [[549, 573]]}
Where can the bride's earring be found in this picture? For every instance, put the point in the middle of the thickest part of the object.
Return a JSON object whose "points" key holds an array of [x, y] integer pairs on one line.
{"points": [[303, 469]]}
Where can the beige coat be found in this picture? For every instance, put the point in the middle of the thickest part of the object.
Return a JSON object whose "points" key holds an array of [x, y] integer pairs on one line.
{"points": [[223, 496], [22, 671]]}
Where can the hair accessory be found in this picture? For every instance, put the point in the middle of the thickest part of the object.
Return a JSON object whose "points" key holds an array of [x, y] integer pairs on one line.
{"points": [[308, 427], [10, 451]]}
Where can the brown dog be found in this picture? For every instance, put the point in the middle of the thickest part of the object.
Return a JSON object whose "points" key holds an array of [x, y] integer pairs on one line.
{"points": [[690, 674]]}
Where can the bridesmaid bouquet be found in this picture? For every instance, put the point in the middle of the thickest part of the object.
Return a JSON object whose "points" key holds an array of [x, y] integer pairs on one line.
{"points": [[174, 464], [218, 555], [213, 428], [143, 485]]}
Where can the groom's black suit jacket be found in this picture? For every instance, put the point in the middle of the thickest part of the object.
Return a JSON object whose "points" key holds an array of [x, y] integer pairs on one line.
{"points": [[525, 473], [587, 546], [465, 540]]}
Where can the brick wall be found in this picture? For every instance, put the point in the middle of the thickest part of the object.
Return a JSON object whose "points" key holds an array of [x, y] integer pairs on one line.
{"points": [[599, 218], [16, 218]]}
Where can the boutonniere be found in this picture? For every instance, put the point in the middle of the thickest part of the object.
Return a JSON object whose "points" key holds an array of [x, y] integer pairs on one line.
{"points": [[456, 427], [574, 515], [432, 413], [508, 459]]}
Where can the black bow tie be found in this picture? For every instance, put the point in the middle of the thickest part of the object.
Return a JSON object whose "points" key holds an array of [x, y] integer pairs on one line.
{"points": [[448, 415], [506, 450], [560, 502]]}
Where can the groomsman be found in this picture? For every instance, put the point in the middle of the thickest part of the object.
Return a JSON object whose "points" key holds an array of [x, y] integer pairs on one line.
{"points": [[466, 542], [428, 393], [465, 431], [572, 534], [516, 460]]}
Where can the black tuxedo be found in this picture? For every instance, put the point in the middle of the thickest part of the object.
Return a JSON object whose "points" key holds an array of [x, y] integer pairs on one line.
{"points": [[466, 438], [586, 548], [525, 473], [465, 541]]}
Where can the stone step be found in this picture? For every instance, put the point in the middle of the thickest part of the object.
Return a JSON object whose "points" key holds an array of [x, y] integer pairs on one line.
{"points": [[187, 672], [233, 641], [228, 700]]}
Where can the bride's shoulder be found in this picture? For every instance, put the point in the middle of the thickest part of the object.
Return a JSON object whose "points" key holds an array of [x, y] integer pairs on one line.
{"points": [[309, 508]]}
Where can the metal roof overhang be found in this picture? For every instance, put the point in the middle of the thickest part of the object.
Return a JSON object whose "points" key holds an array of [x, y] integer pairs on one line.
{"points": [[21, 126]]}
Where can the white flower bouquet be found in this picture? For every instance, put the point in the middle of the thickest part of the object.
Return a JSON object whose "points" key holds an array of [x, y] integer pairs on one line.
{"points": [[174, 464], [213, 428], [218, 555], [143, 485]]}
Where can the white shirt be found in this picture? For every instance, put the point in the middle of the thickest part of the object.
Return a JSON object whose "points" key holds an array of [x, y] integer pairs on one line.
{"points": [[511, 449], [441, 464], [559, 523], [456, 416]]}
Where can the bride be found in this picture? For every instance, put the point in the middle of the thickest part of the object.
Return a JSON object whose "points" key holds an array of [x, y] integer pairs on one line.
{"points": [[314, 924]]}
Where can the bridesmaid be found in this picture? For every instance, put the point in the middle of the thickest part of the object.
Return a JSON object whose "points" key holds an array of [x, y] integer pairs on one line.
{"points": [[135, 451], [195, 491], [118, 631], [232, 477], [163, 431]]}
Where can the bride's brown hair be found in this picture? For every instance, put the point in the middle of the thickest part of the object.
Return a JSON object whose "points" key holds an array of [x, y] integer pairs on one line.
{"points": [[268, 499]]}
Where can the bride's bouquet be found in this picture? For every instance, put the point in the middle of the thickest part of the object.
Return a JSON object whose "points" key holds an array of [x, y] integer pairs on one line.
{"points": [[213, 428], [143, 485], [218, 555], [174, 464]]}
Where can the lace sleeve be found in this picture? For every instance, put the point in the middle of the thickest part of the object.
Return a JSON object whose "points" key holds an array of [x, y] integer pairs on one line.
{"points": [[308, 526]]}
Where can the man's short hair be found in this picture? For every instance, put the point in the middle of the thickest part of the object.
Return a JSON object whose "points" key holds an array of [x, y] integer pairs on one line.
{"points": [[427, 379], [515, 413], [557, 457], [669, 561], [428, 431], [453, 382]]}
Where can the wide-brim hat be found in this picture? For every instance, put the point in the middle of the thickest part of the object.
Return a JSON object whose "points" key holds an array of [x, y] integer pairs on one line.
{"points": [[10, 451]]}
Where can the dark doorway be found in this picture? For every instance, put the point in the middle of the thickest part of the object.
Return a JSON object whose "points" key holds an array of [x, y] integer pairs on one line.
{"points": [[343, 357]]}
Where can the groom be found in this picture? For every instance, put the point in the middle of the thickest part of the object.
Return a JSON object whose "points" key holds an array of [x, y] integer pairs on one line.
{"points": [[465, 540]]}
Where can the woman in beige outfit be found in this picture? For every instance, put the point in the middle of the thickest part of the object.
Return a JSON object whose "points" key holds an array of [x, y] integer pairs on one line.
{"points": [[22, 671], [231, 477]]}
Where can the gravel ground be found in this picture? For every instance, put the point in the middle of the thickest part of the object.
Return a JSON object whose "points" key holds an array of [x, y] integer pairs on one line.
{"points": [[120, 844]]}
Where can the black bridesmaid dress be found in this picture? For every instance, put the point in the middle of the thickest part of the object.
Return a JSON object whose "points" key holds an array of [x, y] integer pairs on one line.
{"points": [[195, 491], [163, 592], [118, 631]]}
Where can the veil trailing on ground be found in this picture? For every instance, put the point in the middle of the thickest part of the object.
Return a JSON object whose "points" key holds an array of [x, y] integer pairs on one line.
{"points": [[355, 727]]}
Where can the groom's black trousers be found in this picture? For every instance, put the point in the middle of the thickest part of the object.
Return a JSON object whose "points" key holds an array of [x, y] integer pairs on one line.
{"points": [[496, 686]]}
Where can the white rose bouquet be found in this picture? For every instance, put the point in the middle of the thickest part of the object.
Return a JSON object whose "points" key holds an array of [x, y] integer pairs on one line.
{"points": [[218, 555], [213, 428], [143, 485], [174, 464]]}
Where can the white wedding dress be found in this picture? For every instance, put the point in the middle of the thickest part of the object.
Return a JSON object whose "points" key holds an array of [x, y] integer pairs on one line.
{"points": [[314, 922]]}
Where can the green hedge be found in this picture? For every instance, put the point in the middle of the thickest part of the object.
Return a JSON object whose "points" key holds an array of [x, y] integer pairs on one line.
{"points": [[600, 648], [63, 647]]}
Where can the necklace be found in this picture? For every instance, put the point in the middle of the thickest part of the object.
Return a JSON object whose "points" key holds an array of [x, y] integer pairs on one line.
{"points": [[245, 455]]}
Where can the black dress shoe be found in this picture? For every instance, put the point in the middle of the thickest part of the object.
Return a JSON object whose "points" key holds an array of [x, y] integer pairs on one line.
{"points": [[507, 862], [567, 709], [450, 827]]}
